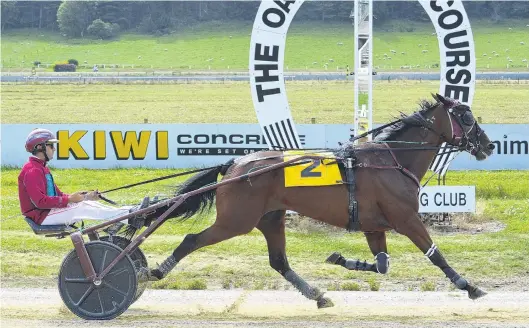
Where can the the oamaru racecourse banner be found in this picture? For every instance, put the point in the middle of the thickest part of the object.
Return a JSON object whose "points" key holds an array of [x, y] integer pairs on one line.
{"points": [[198, 145], [457, 57], [267, 52]]}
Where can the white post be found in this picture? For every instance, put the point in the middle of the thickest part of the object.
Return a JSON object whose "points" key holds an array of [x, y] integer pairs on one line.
{"points": [[363, 67]]}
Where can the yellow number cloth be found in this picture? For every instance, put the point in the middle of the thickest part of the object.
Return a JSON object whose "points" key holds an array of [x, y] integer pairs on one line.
{"points": [[324, 172]]}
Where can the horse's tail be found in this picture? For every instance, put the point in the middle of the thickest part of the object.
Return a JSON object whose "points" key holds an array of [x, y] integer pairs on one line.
{"points": [[201, 202]]}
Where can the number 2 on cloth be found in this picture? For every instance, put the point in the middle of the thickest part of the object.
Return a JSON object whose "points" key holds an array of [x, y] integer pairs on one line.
{"points": [[308, 171], [318, 172]]}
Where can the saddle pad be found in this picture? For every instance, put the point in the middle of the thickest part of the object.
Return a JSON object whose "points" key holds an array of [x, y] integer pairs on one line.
{"points": [[324, 172]]}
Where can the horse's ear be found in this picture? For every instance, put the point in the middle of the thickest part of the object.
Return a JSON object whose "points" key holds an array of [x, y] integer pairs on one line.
{"points": [[442, 99], [434, 96]]}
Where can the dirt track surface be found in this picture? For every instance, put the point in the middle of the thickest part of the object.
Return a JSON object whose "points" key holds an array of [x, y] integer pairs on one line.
{"points": [[29, 307]]}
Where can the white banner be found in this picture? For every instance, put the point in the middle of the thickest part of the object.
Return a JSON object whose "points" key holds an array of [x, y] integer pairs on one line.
{"points": [[458, 59], [447, 199], [456, 49], [267, 53], [197, 145]]}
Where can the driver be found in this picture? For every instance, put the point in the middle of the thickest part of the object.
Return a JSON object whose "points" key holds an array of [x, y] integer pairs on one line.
{"points": [[44, 203]]}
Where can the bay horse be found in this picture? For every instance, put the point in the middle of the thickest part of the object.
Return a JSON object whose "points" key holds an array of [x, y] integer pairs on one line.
{"points": [[388, 172]]}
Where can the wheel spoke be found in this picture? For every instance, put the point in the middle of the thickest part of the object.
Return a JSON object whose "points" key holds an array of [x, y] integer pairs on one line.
{"points": [[85, 295], [78, 280], [114, 289], [100, 302], [117, 272], [102, 267]]}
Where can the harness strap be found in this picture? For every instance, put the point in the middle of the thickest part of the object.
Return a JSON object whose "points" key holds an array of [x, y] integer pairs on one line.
{"points": [[399, 167], [354, 223], [350, 164], [404, 170]]}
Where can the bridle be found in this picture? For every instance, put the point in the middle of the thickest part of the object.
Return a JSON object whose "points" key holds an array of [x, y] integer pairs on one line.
{"points": [[459, 137]]}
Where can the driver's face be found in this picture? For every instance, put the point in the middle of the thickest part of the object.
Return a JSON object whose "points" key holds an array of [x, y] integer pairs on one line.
{"points": [[50, 150]]}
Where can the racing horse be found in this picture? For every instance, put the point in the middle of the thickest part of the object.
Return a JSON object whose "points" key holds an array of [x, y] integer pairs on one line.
{"points": [[388, 171]]}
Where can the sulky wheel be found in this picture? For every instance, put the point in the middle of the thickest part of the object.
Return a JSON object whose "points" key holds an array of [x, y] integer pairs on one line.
{"points": [[103, 301], [137, 257]]}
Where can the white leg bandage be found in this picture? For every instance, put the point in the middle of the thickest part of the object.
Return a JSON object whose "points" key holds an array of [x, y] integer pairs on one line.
{"points": [[431, 251]]}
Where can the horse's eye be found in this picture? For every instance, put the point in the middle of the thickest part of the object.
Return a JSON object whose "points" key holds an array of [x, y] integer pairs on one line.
{"points": [[468, 118]]}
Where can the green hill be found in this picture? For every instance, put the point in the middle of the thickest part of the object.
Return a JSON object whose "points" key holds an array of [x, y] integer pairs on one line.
{"points": [[225, 46]]}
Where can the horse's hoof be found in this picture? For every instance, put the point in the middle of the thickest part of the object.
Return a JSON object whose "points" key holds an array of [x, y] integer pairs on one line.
{"points": [[334, 258], [316, 294], [474, 292], [324, 302]]}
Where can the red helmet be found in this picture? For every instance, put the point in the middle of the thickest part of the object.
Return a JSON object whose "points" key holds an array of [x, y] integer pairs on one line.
{"points": [[38, 137]]}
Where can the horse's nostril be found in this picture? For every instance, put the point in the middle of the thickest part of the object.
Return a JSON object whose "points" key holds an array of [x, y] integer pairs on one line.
{"points": [[491, 146]]}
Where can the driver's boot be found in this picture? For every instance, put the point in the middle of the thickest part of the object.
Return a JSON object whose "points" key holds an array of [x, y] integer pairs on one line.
{"points": [[137, 221], [116, 227]]}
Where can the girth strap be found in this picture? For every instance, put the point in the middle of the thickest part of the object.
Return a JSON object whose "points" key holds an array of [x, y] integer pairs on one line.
{"points": [[354, 223]]}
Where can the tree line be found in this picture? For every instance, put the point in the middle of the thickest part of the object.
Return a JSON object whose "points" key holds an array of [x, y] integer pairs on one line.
{"points": [[105, 19]]}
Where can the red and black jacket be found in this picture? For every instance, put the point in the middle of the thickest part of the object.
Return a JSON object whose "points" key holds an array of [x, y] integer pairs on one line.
{"points": [[37, 191]]}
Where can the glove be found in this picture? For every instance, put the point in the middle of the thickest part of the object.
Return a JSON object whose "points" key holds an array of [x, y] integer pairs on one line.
{"points": [[93, 195]]}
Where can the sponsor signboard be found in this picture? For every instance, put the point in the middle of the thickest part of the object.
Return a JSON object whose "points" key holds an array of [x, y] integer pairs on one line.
{"points": [[447, 199], [197, 145]]}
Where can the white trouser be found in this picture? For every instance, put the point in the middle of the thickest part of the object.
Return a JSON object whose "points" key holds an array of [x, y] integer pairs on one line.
{"points": [[86, 210]]}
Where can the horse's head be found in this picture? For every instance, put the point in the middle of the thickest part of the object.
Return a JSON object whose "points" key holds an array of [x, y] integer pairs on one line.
{"points": [[463, 131]]}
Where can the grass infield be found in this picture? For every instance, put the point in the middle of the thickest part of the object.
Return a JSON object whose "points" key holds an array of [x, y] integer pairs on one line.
{"points": [[230, 102], [309, 46]]}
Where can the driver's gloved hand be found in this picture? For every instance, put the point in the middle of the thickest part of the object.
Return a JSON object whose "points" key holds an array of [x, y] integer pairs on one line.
{"points": [[93, 195]]}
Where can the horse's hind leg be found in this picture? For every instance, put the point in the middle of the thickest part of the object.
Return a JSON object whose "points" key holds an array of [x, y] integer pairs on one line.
{"points": [[272, 225], [378, 246], [415, 230], [212, 235]]}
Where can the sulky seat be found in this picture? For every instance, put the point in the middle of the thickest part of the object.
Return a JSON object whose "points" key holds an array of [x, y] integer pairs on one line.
{"points": [[48, 229]]}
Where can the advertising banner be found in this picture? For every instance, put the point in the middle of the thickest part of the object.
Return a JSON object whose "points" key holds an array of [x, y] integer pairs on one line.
{"points": [[100, 146], [447, 199]]}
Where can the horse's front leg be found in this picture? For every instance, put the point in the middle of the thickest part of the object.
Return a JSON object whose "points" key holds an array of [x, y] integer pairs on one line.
{"points": [[378, 246], [415, 230], [437, 258]]}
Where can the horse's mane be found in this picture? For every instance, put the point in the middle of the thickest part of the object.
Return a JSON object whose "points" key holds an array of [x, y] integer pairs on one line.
{"points": [[407, 121]]}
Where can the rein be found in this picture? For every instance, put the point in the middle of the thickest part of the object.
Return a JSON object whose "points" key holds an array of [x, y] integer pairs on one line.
{"points": [[157, 179], [380, 128], [440, 169]]}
